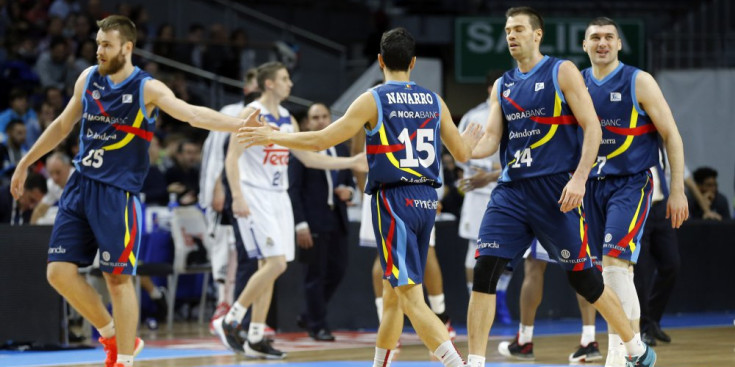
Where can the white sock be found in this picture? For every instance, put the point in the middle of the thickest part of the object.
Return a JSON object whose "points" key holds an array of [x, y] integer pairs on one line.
{"points": [[236, 313], [383, 357], [437, 303], [155, 293], [221, 292], [107, 331], [379, 307], [635, 346], [448, 355], [469, 287], [125, 360], [473, 360], [504, 281], [256, 332], [525, 334], [588, 335]]}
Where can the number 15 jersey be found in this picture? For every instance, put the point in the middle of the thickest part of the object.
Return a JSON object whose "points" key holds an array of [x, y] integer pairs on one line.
{"points": [[404, 146]]}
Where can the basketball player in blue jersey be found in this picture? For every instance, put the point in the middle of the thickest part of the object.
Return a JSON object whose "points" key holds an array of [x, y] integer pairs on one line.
{"points": [[405, 125], [633, 114], [535, 113], [117, 104]]}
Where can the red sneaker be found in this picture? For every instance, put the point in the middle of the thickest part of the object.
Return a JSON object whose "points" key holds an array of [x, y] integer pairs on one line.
{"points": [[220, 311], [110, 347]]}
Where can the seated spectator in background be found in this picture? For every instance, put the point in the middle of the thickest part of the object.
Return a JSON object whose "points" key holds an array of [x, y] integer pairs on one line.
{"points": [[46, 115], [59, 169], [13, 149], [62, 8], [52, 66], [19, 109], [154, 186], [18, 212], [55, 97], [86, 56], [183, 177], [706, 180]]}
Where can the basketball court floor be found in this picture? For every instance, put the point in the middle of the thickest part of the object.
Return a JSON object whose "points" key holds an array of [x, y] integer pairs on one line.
{"points": [[697, 340]]}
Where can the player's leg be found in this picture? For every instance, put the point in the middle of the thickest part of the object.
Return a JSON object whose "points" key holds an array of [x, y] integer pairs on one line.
{"points": [[589, 349], [435, 285], [390, 328], [367, 239]]}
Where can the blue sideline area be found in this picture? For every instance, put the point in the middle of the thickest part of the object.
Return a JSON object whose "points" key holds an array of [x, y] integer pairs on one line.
{"points": [[542, 327]]}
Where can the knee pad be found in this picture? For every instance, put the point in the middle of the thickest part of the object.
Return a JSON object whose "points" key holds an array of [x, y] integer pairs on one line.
{"points": [[620, 281], [487, 271], [587, 283]]}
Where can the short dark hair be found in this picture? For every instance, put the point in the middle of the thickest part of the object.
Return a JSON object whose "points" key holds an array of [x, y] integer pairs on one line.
{"points": [[122, 24], [268, 71], [601, 21], [703, 173], [11, 124], [35, 181], [398, 48], [534, 17], [17, 93]]}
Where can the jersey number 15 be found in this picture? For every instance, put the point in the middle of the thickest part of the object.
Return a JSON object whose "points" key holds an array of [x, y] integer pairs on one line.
{"points": [[424, 137]]}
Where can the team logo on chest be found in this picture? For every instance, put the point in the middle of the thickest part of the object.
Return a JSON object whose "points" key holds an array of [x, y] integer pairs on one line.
{"points": [[96, 94], [127, 98], [506, 93], [538, 87], [615, 97]]}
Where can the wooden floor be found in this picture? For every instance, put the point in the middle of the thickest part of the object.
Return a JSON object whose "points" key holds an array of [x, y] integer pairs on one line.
{"points": [[714, 346]]}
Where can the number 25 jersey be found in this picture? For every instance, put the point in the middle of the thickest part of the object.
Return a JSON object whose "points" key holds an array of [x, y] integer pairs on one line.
{"points": [[404, 148]]}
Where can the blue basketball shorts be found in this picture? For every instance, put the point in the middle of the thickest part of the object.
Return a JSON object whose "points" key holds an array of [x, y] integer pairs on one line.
{"points": [[520, 210], [403, 217], [94, 215], [616, 209]]}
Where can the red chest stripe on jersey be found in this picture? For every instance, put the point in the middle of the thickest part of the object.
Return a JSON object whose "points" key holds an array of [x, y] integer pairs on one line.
{"points": [[551, 120], [382, 149], [99, 104], [632, 131], [147, 135]]}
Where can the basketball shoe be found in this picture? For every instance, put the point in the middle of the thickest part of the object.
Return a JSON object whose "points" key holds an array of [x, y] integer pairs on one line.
{"points": [[110, 347]]}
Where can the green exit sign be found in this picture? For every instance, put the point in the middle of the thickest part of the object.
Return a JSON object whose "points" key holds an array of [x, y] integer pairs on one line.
{"points": [[480, 46]]}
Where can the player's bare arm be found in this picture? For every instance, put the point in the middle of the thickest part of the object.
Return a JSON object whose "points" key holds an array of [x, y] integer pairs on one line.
{"points": [[494, 128], [460, 146], [158, 94], [653, 102], [234, 151], [362, 110], [357, 147], [310, 159], [579, 100], [52, 136]]}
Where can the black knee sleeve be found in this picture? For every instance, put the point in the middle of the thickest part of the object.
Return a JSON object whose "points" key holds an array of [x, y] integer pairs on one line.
{"points": [[487, 272], [588, 283]]}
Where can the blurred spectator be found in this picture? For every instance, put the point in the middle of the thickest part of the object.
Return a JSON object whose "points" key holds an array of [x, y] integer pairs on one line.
{"points": [[55, 97], [46, 115], [59, 169], [86, 56], [62, 8], [18, 212], [216, 56], [192, 52], [95, 12], [52, 66], [706, 180], [163, 44], [154, 186], [54, 28], [183, 178], [452, 200], [19, 109], [83, 30], [244, 55], [13, 149]]}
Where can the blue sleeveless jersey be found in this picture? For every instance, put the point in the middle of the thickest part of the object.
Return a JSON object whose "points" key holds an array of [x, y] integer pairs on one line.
{"points": [[540, 131], [405, 145], [115, 132], [629, 140]]}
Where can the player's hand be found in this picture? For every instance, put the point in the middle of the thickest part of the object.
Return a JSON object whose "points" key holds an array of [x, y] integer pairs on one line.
{"points": [[253, 119], [710, 215], [677, 209], [18, 181], [571, 196], [472, 135], [476, 181], [344, 193], [359, 163], [240, 208], [303, 238]]}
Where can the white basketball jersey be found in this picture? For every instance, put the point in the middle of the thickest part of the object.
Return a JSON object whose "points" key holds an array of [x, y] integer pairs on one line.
{"points": [[479, 115], [266, 167]]}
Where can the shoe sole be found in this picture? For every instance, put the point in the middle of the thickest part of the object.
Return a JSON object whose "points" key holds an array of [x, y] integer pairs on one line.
{"points": [[254, 354], [220, 332], [139, 347], [503, 350]]}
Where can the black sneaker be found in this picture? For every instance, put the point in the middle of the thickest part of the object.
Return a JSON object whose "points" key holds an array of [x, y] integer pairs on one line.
{"points": [[230, 334], [262, 349], [513, 349], [586, 354]]}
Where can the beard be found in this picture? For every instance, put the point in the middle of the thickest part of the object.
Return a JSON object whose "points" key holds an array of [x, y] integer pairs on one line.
{"points": [[112, 65]]}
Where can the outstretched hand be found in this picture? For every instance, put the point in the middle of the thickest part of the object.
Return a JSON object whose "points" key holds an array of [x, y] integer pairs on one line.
{"points": [[18, 181], [255, 131], [472, 135], [360, 163]]}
